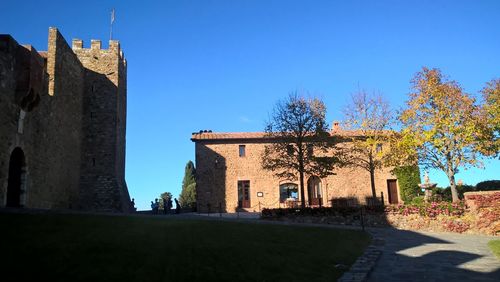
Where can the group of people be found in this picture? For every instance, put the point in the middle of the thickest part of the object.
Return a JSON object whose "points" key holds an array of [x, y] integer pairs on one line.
{"points": [[167, 206]]}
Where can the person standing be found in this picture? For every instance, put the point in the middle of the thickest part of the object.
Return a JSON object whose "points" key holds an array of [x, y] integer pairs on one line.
{"points": [[157, 206], [177, 206], [133, 204], [170, 204], [166, 209]]}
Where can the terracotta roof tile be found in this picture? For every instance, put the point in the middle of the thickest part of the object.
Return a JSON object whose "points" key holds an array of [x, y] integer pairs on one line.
{"points": [[227, 135], [197, 136]]}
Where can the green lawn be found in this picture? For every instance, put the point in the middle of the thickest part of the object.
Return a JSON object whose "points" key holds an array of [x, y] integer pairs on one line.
{"points": [[495, 247], [72, 248]]}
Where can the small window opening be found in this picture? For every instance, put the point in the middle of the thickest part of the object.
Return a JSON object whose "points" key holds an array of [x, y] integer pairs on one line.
{"points": [[242, 150], [310, 150]]}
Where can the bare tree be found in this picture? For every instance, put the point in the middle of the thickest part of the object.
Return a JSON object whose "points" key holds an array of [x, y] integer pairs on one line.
{"points": [[299, 141], [369, 117]]}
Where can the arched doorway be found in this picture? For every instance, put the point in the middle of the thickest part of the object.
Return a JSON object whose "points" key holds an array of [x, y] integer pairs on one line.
{"points": [[17, 178], [314, 191]]}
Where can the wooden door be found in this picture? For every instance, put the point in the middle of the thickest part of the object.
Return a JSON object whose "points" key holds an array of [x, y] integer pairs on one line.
{"points": [[244, 194], [392, 189], [314, 191]]}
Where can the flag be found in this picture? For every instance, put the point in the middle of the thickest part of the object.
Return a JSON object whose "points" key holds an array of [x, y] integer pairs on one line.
{"points": [[113, 15]]}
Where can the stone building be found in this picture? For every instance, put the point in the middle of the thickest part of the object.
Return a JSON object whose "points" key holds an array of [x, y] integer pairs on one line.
{"points": [[62, 125], [229, 175]]}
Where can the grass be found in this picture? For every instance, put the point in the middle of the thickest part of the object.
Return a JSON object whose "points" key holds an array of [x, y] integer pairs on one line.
{"points": [[495, 247], [120, 248]]}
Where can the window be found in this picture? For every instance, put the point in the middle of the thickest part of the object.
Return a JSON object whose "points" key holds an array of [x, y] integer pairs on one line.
{"points": [[288, 191], [310, 150], [242, 150], [289, 149]]}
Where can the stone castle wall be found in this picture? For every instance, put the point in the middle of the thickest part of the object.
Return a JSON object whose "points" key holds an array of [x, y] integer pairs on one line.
{"points": [[73, 117], [53, 160], [219, 168], [103, 161]]}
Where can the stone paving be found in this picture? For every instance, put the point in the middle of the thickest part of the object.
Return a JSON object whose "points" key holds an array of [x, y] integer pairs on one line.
{"points": [[425, 256]]}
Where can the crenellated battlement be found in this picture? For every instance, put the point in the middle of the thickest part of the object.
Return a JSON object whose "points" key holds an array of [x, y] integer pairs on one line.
{"points": [[64, 114], [96, 45]]}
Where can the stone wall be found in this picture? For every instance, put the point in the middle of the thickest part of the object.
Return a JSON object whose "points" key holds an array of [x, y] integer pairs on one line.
{"points": [[66, 110], [219, 168], [103, 161], [479, 214], [47, 128], [482, 199], [9, 109], [56, 128]]}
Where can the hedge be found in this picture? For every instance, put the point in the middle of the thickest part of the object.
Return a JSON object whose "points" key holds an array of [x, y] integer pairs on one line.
{"points": [[408, 179], [488, 185]]}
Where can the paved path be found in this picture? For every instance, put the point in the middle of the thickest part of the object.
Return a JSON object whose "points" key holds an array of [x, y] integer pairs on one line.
{"points": [[425, 256]]}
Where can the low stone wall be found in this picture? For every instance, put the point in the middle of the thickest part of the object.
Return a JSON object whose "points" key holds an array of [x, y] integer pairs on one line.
{"points": [[479, 215], [483, 199]]}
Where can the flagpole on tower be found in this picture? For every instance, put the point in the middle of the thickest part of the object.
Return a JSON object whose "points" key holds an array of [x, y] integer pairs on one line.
{"points": [[111, 25]]}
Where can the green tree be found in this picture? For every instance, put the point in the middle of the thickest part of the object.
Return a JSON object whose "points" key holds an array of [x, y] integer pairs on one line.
{"points": [[491, 115], [187, 198], [440, 126], [299, 141], [370, 117], [164, 196]]}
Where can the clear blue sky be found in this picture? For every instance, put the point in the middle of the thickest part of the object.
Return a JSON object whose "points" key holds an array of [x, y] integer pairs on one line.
{"points": [[222, 65]]}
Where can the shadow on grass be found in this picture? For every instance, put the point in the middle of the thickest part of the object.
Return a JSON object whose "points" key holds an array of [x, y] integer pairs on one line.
{"points": [[57, 247], [408, 255]]}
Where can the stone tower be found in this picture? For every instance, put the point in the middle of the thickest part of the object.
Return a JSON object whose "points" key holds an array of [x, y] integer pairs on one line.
{"points": [[63, 122], [102, 184]]}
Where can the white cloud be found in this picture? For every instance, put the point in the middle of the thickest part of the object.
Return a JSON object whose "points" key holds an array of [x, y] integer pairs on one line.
{"points": [[245, 119]]}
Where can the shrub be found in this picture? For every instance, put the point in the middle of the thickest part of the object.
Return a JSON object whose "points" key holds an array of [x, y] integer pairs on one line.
{"points": [[419, 200], [487, 218], [455, 225], [482, 201], [488, 185], [431, 210], [444, 194], [320, 211], [408, 179]]}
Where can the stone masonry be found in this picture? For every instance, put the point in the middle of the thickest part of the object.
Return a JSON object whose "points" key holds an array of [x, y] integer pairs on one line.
{"points": [[219, 168], [63, 121]]}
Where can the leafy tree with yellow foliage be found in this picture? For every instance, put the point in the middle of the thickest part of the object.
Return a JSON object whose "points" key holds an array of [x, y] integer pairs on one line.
{"points": [[442, 126], [491, 116]]}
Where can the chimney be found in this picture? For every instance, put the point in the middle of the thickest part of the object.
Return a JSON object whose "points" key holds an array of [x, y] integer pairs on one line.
{"points": [[335, 126]]}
